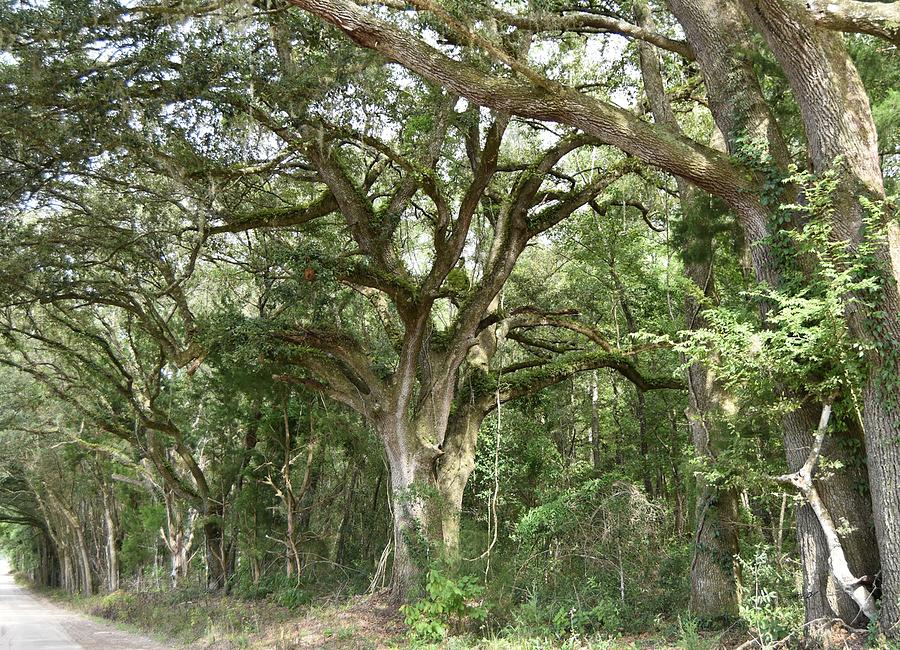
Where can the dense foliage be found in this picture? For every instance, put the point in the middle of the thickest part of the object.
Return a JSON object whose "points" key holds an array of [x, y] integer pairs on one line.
{"points": [[529, 319]]}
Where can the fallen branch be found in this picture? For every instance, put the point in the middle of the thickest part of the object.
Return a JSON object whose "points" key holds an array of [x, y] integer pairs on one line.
{"points": [[802, 479]]}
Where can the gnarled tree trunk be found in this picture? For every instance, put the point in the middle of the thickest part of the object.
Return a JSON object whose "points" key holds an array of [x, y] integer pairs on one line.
{"points": [[415, 505]]}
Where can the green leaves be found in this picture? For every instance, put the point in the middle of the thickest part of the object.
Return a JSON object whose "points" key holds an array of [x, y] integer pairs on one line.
{"points": [[449, 603], [805, 343]]}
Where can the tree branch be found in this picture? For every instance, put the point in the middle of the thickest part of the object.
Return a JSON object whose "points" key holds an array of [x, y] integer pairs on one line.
{"points": [[802, 479], [655, 144], [585, 22], [881, 19]]}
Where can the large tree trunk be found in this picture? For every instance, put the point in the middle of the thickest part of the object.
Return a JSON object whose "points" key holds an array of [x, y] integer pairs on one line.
{"points": [[841, 133], [415, 507], [718, 32], [218, 557], [823, 599], [715, 574], [803, 480], [112, 539], [715, 578], [455, 468], [884, 477], [178, 537]]}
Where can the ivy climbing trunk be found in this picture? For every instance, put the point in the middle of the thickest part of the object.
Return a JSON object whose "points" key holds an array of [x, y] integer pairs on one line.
{"points": [[842, 138]]}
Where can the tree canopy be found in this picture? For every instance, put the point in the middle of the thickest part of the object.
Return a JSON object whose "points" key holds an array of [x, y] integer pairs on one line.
{"points": [[455, 301]]}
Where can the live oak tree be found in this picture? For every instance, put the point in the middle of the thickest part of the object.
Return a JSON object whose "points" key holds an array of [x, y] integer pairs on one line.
{"points": [[216, 215], [413, 443], [837, 123], [107, 326], [427, 403]]}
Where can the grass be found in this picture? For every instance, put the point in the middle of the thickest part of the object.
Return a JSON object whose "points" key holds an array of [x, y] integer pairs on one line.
{"points": [[189, 618]]}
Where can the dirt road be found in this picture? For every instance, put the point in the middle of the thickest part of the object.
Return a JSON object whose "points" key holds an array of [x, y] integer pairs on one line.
{"points": [[29, 623]]}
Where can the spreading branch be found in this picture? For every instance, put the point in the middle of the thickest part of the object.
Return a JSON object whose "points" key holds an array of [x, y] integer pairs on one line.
{"points": [[657, 145]]}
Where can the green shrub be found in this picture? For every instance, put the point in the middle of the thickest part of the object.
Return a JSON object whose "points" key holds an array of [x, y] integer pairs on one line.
{"points": [[770, 607], [291, 596], [596, 549], [689, 637], [448, 603], [602, 616]]}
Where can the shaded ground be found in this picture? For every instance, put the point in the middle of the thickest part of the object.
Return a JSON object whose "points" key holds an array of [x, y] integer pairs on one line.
{"points": [[201, 621]]}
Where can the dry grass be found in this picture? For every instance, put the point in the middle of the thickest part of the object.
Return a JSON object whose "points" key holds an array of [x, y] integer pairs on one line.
{"points": [[364, 622]]}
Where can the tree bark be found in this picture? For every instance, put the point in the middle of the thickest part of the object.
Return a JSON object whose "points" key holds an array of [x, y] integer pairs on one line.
{"points": [[802, 479], [76, 535], [218, 564], [719, 33], [456, 466], [595, 423], [84, 559], [414, 493], [841, 133], [177, 537], [112, 539], [822, 597]]}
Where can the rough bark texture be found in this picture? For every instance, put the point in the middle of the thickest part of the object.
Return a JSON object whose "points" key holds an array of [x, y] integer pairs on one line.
{"points": [[838, 122], [719, 32], [881, 19], [415, 526], [218, 565], [840, 492], [454, 470], [803, 480]]}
